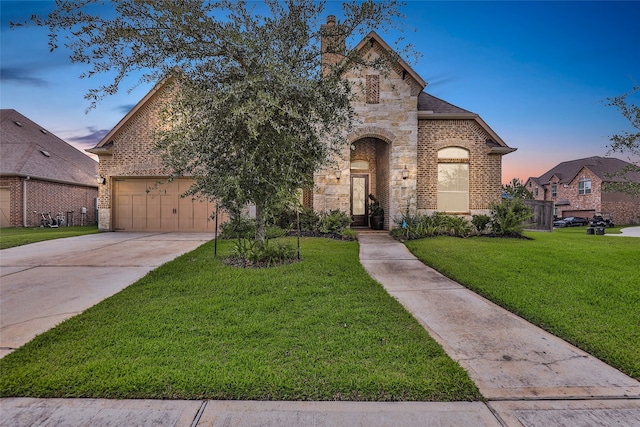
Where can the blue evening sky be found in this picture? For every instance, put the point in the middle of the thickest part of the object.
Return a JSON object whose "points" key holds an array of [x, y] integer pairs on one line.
{"points": [[537, 72]]}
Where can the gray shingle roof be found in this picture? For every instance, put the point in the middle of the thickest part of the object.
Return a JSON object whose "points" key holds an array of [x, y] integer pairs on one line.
{"points": [[27, 149], [428, 102], [600, 166]]}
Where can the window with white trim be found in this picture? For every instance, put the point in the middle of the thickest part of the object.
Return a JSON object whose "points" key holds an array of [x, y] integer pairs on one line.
{"points": [[554, 190], [584, 186], [453, 180]]}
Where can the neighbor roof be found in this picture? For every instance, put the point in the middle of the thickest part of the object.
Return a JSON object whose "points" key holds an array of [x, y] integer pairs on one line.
{"points": [[27, 149], [600, 166]]}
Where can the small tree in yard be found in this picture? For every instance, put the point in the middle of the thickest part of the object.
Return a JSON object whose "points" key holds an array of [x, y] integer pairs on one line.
{"points": [[517, 189], [626, 142], [254, 112]]}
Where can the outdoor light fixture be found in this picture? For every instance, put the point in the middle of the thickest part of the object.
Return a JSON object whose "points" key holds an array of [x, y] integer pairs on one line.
{"points": [[338, 174], [405, 172], [101, 179]]}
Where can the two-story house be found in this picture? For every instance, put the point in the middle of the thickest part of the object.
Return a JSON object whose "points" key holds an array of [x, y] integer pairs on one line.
{"points": [[575, 187]]}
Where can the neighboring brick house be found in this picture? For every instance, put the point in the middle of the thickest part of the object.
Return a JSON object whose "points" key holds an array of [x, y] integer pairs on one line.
{"points": [[410, 149], [575, 187], [39, 173]]}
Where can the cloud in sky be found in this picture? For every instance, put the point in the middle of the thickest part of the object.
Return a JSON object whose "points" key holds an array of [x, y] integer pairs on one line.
{"points": [[20, 76], [90, 139]]}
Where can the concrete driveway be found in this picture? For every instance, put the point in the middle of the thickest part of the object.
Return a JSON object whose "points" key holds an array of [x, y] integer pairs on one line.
{"points": [[44, 283]]}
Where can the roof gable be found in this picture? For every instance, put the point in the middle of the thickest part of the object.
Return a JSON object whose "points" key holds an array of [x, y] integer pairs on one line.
{"points": [[372, 38], [433, 108], [106, 143], [27, 149]]}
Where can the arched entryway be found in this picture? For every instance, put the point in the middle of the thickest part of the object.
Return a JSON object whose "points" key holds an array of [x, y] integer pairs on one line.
{"points": [[369, 164]]}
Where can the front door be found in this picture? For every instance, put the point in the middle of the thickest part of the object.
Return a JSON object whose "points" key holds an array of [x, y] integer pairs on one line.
{"points": [[359, 192]]}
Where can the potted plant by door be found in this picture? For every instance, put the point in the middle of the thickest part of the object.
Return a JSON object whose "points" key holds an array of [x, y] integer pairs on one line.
{"points": [[376, 213]]}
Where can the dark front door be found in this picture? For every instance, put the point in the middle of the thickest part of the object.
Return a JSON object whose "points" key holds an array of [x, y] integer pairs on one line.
{"points": [[359, 192]]}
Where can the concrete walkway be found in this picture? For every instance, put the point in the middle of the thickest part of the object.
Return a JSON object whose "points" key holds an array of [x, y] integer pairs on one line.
{"points": [[627, 232], [530, 378]]}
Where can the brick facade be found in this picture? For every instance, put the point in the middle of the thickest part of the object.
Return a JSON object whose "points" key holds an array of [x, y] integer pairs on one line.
{"points": [[485, 170], [623, 209], [46, 196], [131, 155]]}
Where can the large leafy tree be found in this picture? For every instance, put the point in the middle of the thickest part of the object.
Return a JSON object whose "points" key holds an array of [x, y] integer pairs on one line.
{"points": [[626, 142], [254, 112]]}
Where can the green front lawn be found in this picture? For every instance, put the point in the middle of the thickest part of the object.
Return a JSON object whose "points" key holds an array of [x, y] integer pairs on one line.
{"points": [[10, 237], [320, 329], [582, 288]]}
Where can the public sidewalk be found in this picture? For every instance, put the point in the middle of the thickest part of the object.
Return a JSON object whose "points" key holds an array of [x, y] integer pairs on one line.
{"points": [[529, 377]]}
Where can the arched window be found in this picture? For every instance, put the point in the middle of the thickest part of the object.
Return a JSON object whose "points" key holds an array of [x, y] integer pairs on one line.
{"points": [[453, 180]]}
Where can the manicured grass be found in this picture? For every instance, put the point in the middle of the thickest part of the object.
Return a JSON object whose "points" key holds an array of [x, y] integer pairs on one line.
{"points": [[582, 288], [10, 237], [319, 329]]}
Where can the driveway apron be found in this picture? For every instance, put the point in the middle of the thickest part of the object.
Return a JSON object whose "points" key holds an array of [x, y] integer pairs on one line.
{"points": [[507, 357], [44, 283]]}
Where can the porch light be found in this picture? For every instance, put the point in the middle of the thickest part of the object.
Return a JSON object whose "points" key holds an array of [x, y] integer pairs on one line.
{"points": [[338, 174], [101, 179], [405, 172]]}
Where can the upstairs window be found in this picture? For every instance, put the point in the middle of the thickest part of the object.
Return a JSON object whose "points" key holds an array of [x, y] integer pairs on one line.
{"points": [[554, 190], [584, 186]]}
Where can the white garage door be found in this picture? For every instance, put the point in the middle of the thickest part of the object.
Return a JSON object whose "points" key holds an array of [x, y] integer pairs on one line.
{"points": [[142, 205], [5, 207]]}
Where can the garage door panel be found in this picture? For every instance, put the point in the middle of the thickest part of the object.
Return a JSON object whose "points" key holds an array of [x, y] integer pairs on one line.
{"points": [[143, 205], [139, 208], [168, 212], [125, 212]]}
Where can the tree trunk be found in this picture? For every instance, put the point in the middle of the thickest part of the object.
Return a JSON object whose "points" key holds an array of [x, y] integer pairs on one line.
{"points": [[261, 233]]}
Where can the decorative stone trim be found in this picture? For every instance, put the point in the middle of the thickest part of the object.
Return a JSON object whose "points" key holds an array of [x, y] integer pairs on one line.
{"points": [[371, 132]]}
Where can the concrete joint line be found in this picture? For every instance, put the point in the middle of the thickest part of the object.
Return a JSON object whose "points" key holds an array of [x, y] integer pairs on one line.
{"points": [[28, 267], [495, 413], [42, 317], [559, 398], [196, 420]]}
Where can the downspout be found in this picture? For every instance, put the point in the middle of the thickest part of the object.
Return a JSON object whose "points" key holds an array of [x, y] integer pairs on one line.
{"points": [[24, 201]]}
